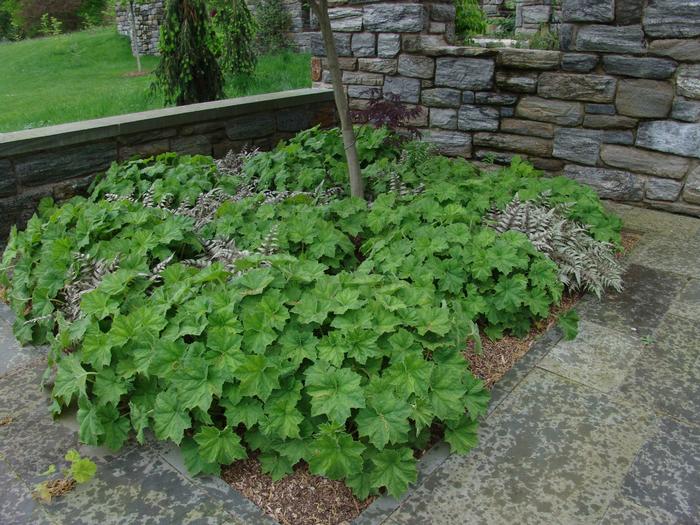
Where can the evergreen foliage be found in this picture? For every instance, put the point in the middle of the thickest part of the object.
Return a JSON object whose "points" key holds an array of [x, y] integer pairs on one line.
{"points": [[274, 25], [188, 71], [236, 30]]}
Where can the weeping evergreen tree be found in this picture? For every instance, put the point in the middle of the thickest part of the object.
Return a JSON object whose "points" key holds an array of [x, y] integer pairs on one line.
{"points": [[237, 33], [188, 71]]}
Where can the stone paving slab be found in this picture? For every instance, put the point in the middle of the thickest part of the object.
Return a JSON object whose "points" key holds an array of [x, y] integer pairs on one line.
{"points": [[670, 253], [665, 475], [645, 299], [687, 303], [624, 511], [545, 457], [139, 487], [17, 507], [645, 220], [12, 355], [21, 391], [598, 357], [666, 375]]}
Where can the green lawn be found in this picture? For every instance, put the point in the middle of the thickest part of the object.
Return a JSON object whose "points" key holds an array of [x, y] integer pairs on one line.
{"points": [[86, 75]]}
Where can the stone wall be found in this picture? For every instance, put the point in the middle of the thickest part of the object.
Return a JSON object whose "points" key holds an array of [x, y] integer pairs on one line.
{"points": [[148, 18], [61, 161], [617, 108]]}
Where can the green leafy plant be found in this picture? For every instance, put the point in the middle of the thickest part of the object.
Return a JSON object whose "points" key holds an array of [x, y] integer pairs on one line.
{"points": [[250, 306], [236, 31], [50, 26], [568, 322], [274, 24], [188, 71], [80, 471], [470, 19]]}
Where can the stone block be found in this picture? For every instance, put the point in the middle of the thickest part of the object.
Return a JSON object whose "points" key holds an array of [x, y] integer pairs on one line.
{"points": [[609, 122], [468, 97], [628, 12], [419, 119], [653, 68], [408, 89], [618, 137], [683, 50], [670, 137], [445, 118], [600, 109], [518, 143], [452, 143], [591, 88], [507, 111], [294, 119], [578, 62], [478, 118], [362, 77], [388, 45], [520, 82], [342, 44], [644, 98], [536, 14], [496, 99], [610, 39], [345, 18], [566, 37], [441, 98], [437, 27], [399, 18], [416, 66], [364, 92], [145, 149], [672, 19], [377, 65], [663, 189], [464, 73], [691, 190], [528, 58], [251, 126], [685, 110], [51, 166], [644, 161], [688, 79], [8, 185], [554, 111], [191, 145], [363, 44], [527, 127], [577, 145], [609, 184], [588, 11], [442, 12]]}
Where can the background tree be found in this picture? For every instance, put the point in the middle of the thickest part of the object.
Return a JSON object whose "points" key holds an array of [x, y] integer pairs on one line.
{"points": [[320, 7], [236, 30], [188, 71], [274, 24]]}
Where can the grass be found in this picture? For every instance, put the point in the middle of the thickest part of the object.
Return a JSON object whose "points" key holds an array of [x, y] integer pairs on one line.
{"points": [[89, 74]]}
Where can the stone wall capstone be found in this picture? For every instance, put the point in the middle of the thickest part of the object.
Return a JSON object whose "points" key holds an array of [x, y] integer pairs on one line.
{"points": [[617, 107], [61, 161]]}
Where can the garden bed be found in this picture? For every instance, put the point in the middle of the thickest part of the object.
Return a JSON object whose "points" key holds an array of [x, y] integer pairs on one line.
{"points": [[247, 310]]}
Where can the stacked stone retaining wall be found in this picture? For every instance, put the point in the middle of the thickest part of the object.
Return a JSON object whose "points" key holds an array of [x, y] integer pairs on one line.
{"points": [[618, 107], [147, 18], [61, 161]]}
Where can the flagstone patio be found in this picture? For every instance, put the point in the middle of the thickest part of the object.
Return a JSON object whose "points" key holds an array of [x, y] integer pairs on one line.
{"points": [[602, 430]]}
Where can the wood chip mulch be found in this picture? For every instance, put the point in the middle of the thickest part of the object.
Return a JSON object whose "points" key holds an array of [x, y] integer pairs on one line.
{"points": [[299, 499]]}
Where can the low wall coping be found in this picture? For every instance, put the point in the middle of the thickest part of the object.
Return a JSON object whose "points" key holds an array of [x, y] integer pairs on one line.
{"points": [[18, 142]]}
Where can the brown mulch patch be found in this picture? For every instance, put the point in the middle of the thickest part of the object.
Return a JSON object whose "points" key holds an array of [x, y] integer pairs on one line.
{"points": [[6, 420], [53, 488], [299, 499], [132, 74]]}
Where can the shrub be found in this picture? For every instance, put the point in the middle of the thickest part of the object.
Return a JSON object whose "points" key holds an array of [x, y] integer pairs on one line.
{"points": [[249, 306], [236, 31], [65, 11], [188, 71], [274, 25], [470, 19]]}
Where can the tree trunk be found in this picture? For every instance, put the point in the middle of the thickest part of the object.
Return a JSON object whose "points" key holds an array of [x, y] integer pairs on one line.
{"points": [[320, 7], [134, 36]]}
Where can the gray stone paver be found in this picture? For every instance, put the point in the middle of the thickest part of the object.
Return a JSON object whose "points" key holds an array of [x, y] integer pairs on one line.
{"points": [[604, 429], [544, 457], [664, 477], [599, 357]]}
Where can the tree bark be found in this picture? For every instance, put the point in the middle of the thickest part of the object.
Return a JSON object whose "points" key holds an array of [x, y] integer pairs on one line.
{"points": [[134, 36], [320, 7]]}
